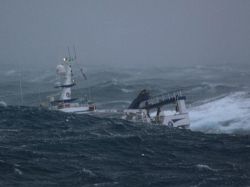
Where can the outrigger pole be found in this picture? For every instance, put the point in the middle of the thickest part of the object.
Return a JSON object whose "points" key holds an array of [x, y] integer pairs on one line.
{"points": [[81, 70]]}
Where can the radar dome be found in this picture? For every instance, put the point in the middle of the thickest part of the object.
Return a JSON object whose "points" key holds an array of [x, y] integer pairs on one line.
{"points": [[60, 69]]}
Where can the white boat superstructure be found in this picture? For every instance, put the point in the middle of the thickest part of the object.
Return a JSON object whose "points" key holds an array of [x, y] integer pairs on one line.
{"points": [[65, 102]]}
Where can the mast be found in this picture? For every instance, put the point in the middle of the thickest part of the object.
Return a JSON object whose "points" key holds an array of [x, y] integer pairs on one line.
{"points": [[21, 90], [20, 85], [65, 71]]}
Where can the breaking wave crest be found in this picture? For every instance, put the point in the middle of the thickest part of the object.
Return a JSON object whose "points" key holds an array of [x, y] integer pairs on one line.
{"points": [[229, 114]]}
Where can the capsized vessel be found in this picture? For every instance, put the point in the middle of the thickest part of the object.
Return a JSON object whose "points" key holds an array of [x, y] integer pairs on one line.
{"points": [[139, 109]]}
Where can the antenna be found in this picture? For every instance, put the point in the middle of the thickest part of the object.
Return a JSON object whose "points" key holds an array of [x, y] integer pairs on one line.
{"points": [[20, 86], [39, 95], [74, 52], [69, 53], [81, 70]]}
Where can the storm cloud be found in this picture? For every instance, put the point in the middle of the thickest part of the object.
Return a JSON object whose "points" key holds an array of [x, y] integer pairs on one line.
{"points": [[125, 33]]}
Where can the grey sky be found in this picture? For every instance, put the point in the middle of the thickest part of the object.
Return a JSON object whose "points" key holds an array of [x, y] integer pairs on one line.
{"points": [[134, 32]]}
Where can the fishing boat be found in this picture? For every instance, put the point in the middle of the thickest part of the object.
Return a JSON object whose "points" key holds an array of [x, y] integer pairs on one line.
{"points": [[147, 108], [144, 108], [65, 102]]}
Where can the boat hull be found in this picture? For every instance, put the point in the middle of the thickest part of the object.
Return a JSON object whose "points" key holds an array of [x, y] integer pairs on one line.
{"points": [[76, 110]]}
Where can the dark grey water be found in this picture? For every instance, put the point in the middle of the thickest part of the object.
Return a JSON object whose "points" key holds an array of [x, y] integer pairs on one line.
{"points": [[44, 148]]}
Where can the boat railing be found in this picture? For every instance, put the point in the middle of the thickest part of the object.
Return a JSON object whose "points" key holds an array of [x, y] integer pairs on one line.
{"points": [[163, 99]]}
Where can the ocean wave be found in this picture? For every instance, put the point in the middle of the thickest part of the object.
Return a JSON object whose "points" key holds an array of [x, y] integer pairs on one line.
{"points": [[126, 90], [39, 147], [229, 114], [3, 104]]}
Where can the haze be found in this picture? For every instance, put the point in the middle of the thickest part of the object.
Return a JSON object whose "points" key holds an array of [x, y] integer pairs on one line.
{"points": [[125, 33]]}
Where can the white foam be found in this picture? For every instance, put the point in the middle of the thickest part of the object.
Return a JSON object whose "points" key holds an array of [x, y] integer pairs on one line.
{"points": [[10, 72], [3, 104], [230, 114], [18, 171], [204, 167], [126, 90]]}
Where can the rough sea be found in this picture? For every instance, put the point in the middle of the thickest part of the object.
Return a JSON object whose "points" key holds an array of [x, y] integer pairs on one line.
{"points": [[39, 147]]}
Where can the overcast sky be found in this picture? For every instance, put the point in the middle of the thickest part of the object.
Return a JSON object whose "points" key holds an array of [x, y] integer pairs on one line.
{"points": [[134, 32]]}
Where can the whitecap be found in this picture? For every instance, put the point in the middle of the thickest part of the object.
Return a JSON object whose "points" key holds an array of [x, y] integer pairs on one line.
{"points": [[204, 167], [126, 90], [18, 171], [3, 104], [229, 114]]}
